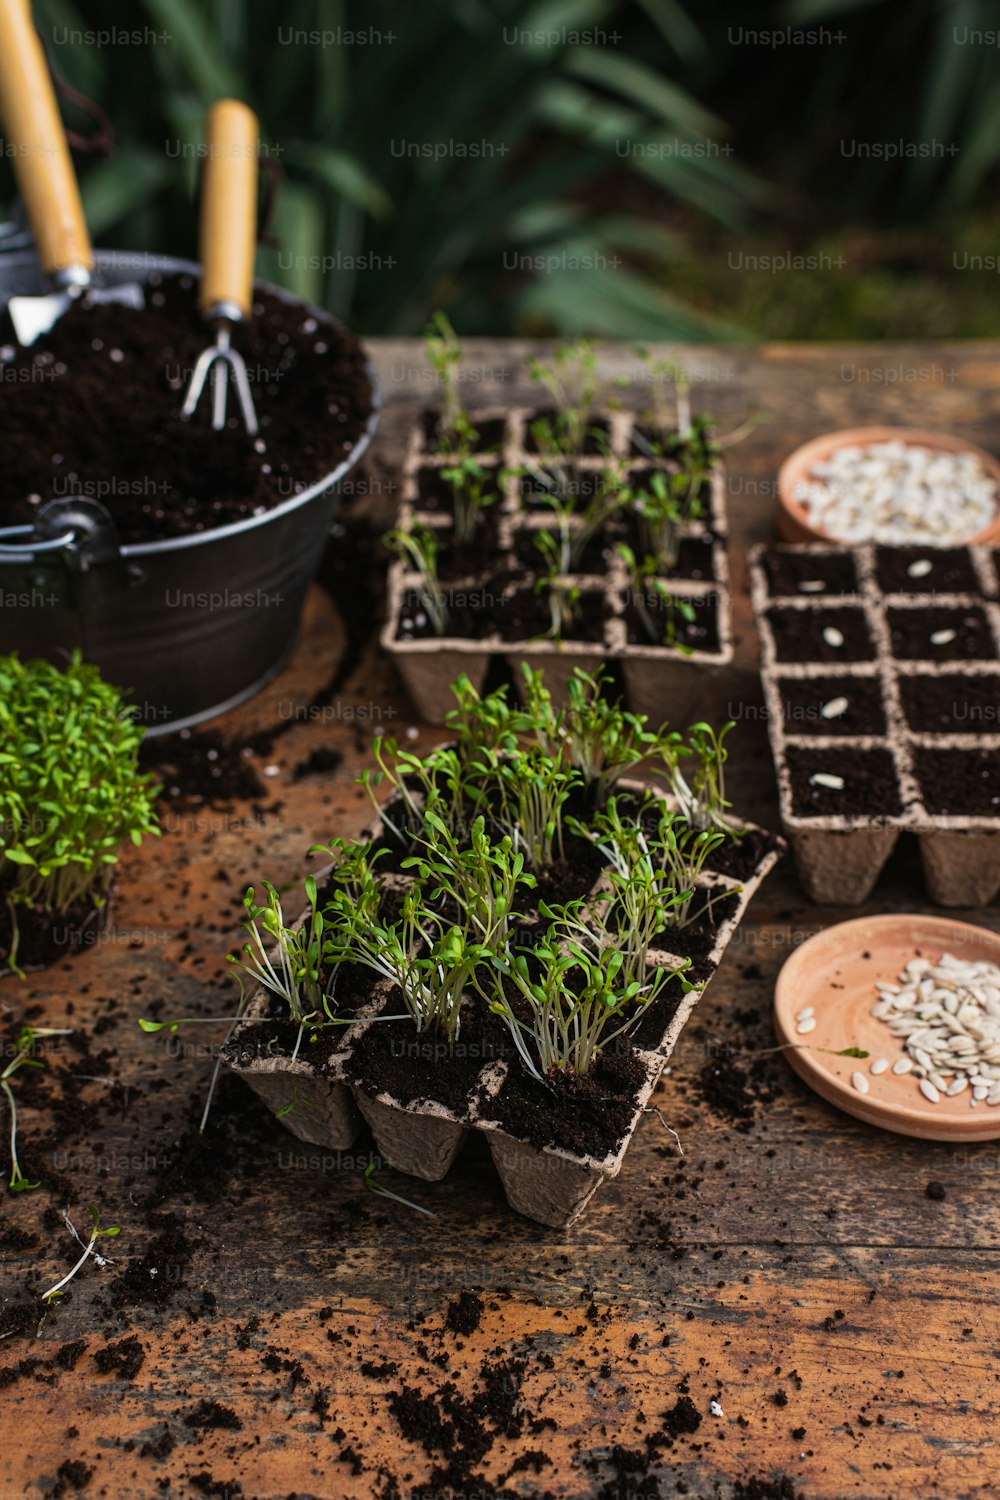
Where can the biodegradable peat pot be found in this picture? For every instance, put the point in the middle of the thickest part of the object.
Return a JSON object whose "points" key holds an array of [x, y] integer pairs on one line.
{"points": [[880, 668], [191, 624], [423, 1136], [660, 681], [792, 525], [45, 937]]}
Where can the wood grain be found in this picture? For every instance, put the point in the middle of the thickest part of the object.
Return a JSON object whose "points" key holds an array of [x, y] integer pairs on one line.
{"points": [[790, 1265]]}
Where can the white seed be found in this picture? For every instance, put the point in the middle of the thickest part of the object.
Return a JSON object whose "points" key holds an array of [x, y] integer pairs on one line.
{"points": [[833, 636], [809, 1024], [835, 709], [929, 1091], [902, 1065], [805, 1013], [812, 586], [823, 778], [878, 1066], [943, 637], [979, 1092], [920, 568], [860, 1082]]}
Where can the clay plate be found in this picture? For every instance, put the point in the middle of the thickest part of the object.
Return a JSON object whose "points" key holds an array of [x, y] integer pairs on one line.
{"points": [[792, 525], [835, 971]]}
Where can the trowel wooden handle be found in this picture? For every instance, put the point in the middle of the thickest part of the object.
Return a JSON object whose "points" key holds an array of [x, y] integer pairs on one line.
{"points": [[36, 137], [229, 206]]}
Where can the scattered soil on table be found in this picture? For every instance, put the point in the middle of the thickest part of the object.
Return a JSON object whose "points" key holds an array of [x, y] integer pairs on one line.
{"points": [[734, 1090], [587, 1115], [802, 702], [955, 704], [698, 634], [201, 766], [161, 476], [870, 787], [951, 572], [798, 634], [959, 781], [787, 572], [465, 1313], [911, 631]]}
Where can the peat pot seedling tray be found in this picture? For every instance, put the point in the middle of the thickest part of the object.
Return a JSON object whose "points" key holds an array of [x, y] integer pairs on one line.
{"points": [[491, 601], [881, 673], [326, 1093]]}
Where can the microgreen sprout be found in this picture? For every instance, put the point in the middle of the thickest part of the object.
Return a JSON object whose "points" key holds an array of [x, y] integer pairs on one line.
{"points": [[533, 790], [383, 1192], [702, 792], [571, 380], [480, 724], [482, 880], [417, 550], [578, 1003], [71, 794], [664, 504], [444, 355], [563, 595], [96, 1234], [604, 741], [285, 960], [24, 1047], [473, 491]]}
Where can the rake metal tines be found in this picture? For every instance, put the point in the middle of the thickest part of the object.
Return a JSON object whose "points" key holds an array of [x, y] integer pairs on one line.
{"points": [[220, 358]]}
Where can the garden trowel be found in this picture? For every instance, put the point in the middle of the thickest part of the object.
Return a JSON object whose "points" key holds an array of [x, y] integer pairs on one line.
{"points": [[36, 139]]}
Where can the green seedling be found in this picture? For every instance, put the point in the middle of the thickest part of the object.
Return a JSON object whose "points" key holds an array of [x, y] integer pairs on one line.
{"points": [[96, 1233], [701, 793], [660, 624], [418, 552], [24, 1047], [70, 790], [473, 492], [383, 1192], [480, 724], [562, 593]]}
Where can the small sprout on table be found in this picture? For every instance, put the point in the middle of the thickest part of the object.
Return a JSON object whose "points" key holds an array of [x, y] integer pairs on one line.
{"points": [[96, 1234], [24, 1048], [383, 1192]]}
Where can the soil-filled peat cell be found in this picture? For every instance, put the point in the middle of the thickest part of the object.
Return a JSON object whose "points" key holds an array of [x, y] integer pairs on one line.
{"points": [[821, 635], [803, 574], [959, 782], [490, 431], [540, 424], [690, 621], [940, 633], [471, 613], [925, 570], [527, 616], [832, 705], [959, 703], [870, 788], [435, 493]]}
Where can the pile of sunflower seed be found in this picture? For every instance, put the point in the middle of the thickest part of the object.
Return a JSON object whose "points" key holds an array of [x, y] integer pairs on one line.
{"points": [[896, 493], [948, 1017]]}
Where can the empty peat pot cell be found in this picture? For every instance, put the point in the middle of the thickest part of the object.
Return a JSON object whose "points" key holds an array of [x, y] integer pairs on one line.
{"points": [[690, 621], [832, 705], [843, 783], [958, 782], [472, 558], [959, 703], [938, 632], [794, 573], [836, 634], [925, 570]]}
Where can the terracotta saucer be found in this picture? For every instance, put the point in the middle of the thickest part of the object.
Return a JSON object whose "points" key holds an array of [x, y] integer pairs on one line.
{"points": [[835, 972], [792, 525]]}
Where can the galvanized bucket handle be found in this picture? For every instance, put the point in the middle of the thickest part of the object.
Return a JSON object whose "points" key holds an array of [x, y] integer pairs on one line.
{"points": [[18, 549], [79, 527]]}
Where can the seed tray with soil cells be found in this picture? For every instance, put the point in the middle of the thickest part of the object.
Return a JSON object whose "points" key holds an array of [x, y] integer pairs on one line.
{"points": [[556, 1129], [881, 672], [665, 617]]}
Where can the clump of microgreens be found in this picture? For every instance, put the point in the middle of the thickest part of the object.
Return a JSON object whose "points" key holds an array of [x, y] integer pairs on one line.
{"points": [[700, 791], [473, 486], [96, 1233], [482, 823], [562, 594], [576, 524], [417, 550], [572, 382], [24, 1057], [658, 610], [665, 503], [70, 794]]}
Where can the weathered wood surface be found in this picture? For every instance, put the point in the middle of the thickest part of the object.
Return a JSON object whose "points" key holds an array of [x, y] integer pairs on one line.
{"points": [[794, 1269]]}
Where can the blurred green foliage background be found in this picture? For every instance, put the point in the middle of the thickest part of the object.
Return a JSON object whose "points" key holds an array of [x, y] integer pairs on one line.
{"points": [[661, 168]]}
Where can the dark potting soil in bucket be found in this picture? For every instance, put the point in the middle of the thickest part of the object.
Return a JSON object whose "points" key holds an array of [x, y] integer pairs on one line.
{"points": [[93, 409]]}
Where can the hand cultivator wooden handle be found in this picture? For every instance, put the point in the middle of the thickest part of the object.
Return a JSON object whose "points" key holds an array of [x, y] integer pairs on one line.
{"points": [[36, 135], [229, 210]]}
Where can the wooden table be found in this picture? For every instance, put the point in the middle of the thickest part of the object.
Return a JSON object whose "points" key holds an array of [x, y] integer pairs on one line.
{"points": [[791, 1265]]}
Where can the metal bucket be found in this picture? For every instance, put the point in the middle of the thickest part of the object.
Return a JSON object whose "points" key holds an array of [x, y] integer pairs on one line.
{"points": [[236, 591]]}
